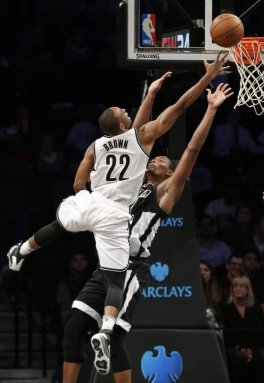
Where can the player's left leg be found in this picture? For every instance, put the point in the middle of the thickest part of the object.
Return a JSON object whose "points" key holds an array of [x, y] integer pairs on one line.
{"points": [[120, 361], [43, 237], [73, 345]]}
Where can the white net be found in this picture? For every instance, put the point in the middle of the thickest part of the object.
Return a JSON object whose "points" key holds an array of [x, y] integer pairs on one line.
{"points": [[248, 56]]}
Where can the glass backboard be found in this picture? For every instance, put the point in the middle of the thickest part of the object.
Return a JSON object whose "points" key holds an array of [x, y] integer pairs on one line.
{"points": [[161, 33]]}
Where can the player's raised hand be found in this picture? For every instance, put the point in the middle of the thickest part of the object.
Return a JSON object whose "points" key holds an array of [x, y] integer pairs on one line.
{"points": [[222, 92], [218, 66], [157, 84]]}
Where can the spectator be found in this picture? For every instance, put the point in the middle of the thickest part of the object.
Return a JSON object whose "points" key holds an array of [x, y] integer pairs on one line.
{"points": [[15, 211], [49, 166], [255, 272], [201, 185], [63, 187], [231, 135], [223, 209], [234, 268], [240, 233], [212, 294], [68, 288], [211, 249], [244, 333], [49, 160], [258, 234], [85, 131]]}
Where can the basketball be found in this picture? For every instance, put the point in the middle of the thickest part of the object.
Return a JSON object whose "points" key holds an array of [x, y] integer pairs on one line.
{"points": [[226, 30]]}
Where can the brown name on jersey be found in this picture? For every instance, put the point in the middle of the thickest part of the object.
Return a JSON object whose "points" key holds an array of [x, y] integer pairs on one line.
{"points": [[116, 144]]}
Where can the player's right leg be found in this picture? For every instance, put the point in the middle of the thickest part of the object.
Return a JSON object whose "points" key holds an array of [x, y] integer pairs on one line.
{"points": [[43, 237], [114, 283]]}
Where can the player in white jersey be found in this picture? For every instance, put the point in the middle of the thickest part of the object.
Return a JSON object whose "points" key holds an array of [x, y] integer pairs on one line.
{"points": [[118, 171], [100, 211]]}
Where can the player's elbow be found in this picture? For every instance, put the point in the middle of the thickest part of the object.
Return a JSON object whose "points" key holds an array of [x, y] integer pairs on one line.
{"points": [[193, 149], [165, 123]]}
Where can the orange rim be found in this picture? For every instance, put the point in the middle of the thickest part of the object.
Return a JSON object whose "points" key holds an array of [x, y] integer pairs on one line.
{"points": [[252, 46]]}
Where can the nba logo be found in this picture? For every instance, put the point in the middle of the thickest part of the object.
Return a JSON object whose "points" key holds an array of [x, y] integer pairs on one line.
{"points": [[148, 29]]}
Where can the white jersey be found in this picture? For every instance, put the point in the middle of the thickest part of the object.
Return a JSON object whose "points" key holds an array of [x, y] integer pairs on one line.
{"points": [[119, 167]]}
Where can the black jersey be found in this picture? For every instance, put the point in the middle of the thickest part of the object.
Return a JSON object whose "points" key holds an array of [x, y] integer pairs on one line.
{"points": [[146, 215]]}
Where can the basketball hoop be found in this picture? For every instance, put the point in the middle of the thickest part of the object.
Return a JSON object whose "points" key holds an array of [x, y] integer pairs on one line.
{"points": [[248, 56]]}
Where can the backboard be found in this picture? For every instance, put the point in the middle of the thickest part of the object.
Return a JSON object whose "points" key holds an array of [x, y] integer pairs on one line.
{"points": [[164, 33]]}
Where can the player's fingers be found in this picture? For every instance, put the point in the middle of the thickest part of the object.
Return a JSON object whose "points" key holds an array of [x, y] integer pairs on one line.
{"points": [[219, 87], [229, 94], [218, 55], [224, 56], [224, 87], [225, 67], [168, 74], [227, 90]]}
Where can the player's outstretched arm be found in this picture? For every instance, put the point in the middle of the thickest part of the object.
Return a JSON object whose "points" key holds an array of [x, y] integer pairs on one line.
{"points": [[212, 70], [83, 172], [144, 111], [170, 190], [169, 116]]}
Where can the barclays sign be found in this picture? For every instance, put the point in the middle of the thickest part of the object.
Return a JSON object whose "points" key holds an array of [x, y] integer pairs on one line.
{"points": [[172, 222], [159, 273], [167, 292]]}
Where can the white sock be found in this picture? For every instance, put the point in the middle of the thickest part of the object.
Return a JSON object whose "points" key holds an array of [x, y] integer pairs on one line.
{"points": [[108, 322], [26, 248]]}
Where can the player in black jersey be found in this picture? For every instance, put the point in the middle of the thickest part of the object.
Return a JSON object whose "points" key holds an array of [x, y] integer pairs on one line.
{"points": [[157, 196]]}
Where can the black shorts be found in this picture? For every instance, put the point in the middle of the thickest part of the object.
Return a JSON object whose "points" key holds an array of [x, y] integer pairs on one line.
{"points": [[91, 298]]}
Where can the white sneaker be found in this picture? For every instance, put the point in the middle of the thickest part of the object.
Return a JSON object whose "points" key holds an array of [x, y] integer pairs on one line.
{"points": [[101, 344], [15, 259]]}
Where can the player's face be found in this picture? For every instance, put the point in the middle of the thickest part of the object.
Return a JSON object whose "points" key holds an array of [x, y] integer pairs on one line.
{"points": [[159, 166], [124, 118]]}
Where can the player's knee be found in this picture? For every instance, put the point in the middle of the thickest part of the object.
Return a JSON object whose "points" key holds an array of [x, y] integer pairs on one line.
{"points": [[114, 297], [115, 284], [72, 344], [115, 279], [69, 216], [74, 336], [48, 233], [120, 360]]}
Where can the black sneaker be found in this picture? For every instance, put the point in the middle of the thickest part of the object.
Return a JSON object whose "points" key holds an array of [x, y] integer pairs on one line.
{"points": [[101, 344], [15, 259]]}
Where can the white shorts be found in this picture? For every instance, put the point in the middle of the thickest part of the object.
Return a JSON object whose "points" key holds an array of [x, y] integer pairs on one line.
{"points": [[106, 219]]}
